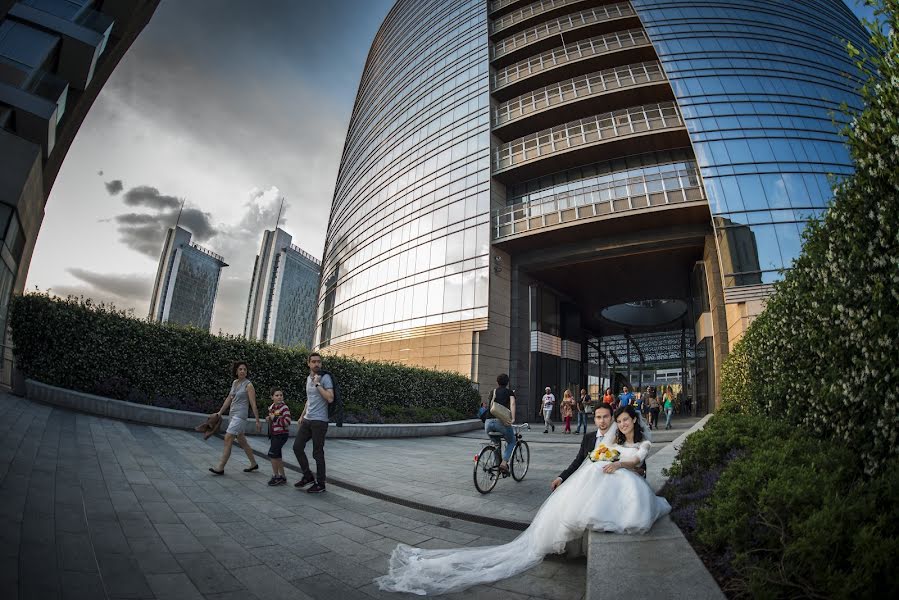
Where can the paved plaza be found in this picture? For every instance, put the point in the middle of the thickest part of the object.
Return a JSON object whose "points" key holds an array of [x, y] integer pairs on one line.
{"points": [[98, 508]]}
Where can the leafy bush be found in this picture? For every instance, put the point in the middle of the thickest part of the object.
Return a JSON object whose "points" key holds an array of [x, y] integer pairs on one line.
{"points": [[79, 345], [776, 512], [826, 341]]}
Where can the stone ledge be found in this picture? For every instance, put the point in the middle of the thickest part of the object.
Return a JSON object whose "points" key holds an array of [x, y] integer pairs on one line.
{"points": [[662, 561], [182, 419]]}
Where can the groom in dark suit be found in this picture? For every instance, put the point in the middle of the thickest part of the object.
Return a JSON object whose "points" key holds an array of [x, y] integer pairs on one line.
{"points": [[602, 417]]}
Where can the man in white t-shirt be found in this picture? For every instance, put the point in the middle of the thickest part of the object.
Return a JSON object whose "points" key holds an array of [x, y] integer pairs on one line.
{"points": [[549, 401]]}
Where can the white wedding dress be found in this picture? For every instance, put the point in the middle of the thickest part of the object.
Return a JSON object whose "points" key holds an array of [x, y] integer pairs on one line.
{"points": [[620, 502]]}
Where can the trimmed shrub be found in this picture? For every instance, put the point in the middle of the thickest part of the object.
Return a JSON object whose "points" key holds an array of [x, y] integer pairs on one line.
{"points": [[777, 513], [95, 348], [826, 341]]}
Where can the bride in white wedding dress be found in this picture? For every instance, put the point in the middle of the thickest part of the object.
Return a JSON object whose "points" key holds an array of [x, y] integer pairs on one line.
{"points": [[602, 496]]}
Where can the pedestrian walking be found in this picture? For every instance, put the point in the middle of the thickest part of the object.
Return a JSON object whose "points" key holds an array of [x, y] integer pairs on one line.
{"points": [[610, 399], [278, 428], [313, 425], [549, 401], [625, 397], [668, 406], [568, 408], [583, 408], [655, 407], [241, 397]]}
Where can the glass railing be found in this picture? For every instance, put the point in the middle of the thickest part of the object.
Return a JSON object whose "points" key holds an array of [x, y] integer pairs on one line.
{"points": [[207, 252], [669, 185], [592, 130], [569, 53], [531, 10], [562, 24], [498, 4], [577, 88], [305, 254]]}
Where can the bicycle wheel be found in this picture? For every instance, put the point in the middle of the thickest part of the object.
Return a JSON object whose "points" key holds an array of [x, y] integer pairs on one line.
{"points": [[521, 460], [486, 470]]}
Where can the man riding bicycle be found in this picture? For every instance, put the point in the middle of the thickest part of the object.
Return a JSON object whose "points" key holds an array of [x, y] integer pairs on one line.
{"points": [[506, 397]]}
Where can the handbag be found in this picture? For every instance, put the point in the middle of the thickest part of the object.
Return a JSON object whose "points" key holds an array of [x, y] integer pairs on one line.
{"points": [[499, 411]]}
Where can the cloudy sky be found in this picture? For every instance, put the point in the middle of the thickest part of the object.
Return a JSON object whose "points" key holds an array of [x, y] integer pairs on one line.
{"points": [[228, 106]]}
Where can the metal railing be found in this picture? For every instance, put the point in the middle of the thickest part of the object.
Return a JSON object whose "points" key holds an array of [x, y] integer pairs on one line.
{"points": [[207, 252], [495, 5], [305, 254], [602, 127], [581, 87], [568, 53], [607, 198], [556, 26], [526, 12]]}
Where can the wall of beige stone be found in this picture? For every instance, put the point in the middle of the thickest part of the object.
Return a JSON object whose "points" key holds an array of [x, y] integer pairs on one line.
{"points": [[720, 346]]}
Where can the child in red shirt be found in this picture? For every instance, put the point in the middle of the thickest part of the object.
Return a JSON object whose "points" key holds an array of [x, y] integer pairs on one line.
{"points": [[279, 427]]}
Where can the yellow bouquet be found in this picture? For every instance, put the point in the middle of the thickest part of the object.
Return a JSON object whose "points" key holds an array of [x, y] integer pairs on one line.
{"points": [[604, 453]]}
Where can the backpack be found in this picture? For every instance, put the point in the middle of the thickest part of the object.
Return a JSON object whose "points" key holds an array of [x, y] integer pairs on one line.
{"points": [[335, 409]]}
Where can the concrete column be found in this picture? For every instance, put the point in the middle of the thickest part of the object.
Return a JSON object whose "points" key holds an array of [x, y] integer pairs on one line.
{"points": [[720, 347]]}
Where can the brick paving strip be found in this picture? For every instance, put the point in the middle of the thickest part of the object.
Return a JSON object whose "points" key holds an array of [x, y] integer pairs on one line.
{"points": [[96, 508]]}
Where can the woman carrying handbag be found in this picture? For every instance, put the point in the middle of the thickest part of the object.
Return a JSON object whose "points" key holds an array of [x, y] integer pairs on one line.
{"points": [[502, 415]]}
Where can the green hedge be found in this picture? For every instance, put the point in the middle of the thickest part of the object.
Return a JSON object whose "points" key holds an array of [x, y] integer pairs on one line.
{"points": [[776, 512], [826, 343], [77, 344]]}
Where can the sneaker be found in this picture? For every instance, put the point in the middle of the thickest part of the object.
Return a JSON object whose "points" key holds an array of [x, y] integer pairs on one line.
{"points": [[554, 428], [281, 480], [545, 431], [274, 481], [316, 488], [306, 480]]}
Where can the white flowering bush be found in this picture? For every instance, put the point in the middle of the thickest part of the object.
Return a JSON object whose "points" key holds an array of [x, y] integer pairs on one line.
{"points": [[825, 352]]}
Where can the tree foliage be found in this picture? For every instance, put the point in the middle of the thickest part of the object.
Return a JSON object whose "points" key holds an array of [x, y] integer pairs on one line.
{"points": [[826, 343]]}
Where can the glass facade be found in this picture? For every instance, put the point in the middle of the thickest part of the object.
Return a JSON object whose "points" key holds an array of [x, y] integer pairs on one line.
{"points": [[759, 84], [194, 288], [409, 237], [294, 297]]}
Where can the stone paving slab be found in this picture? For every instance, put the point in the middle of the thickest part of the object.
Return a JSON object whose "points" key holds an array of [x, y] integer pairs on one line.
{"points": [[155, 524]]}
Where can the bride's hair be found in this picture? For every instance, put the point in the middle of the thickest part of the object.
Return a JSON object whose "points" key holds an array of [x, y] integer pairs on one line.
{"points": [[638, 429]]}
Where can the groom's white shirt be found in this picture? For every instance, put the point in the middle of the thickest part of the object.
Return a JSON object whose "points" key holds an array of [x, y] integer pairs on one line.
{"points": [[600, 437]]}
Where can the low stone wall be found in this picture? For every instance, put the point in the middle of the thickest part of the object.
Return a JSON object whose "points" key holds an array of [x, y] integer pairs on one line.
{"points": [[182, 419], [662, 563]]}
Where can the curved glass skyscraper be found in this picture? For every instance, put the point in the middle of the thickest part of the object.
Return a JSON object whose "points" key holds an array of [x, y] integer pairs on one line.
{"points": [[573, 191]]}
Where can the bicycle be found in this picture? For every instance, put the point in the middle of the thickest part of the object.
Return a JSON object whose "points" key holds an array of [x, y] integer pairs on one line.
{"points": [[487, 461]]}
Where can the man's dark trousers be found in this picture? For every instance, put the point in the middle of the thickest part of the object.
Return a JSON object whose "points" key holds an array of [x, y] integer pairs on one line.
{"points": [[314, 430]]}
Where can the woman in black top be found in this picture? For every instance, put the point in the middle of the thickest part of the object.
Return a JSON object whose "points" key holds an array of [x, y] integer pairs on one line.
{"points": [[503, 395]]}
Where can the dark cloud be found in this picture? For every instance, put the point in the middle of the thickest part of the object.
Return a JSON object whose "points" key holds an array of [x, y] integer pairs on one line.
{"points": [[123, 286], [145, 232], [114, 187], [145, 195]]}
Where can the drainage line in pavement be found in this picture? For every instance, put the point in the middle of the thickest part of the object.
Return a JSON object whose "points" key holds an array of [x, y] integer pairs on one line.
{"points": [[454, 514]]}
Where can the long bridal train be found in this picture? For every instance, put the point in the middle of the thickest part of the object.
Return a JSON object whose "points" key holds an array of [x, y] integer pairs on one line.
{"points": [[620, 502]]}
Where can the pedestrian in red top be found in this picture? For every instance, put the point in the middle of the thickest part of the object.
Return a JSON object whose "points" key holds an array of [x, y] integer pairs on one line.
{"points": [[279, 428]]}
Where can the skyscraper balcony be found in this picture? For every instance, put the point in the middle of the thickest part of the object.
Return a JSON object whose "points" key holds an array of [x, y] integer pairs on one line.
{"points": [[523, 111], [589, 52], [610, 14], [527, 13], [671, 185], [636, 121]]}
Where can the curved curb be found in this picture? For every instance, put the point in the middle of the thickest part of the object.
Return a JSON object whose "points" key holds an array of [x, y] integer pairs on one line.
{"points": [[182, 419]]}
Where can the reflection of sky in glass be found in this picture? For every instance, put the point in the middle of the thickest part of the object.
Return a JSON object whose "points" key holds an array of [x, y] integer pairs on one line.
{"points": [[409, 238], [195, 287], [759, 86]]}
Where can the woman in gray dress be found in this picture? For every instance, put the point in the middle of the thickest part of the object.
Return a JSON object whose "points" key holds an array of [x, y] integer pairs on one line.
{"points": [[241, 397]]}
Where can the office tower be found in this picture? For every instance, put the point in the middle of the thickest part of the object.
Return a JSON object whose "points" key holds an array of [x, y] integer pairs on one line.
{"points": [[283, 293], [187, 282], [577, 192]]}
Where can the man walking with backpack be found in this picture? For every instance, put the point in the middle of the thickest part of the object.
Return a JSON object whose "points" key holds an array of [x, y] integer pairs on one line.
{"points": [[313, 424]]}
